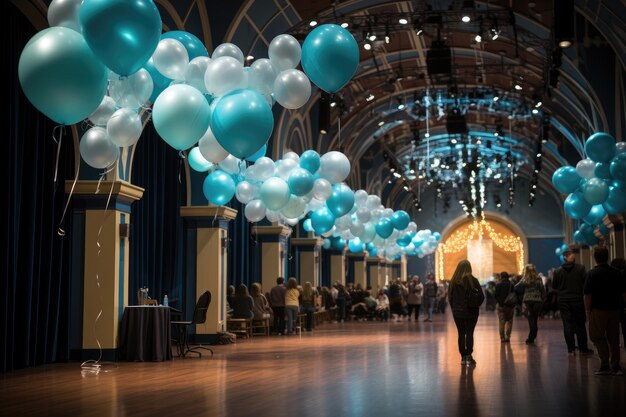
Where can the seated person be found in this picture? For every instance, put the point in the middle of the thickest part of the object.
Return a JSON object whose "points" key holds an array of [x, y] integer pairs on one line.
{"points": [[242, 303], [261, 308]]}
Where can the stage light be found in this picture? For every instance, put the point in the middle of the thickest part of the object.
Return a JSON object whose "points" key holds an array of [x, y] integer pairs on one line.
{"points": [[344, 25], [466, 19], [367, 46], [313, 23], [403, 21]]}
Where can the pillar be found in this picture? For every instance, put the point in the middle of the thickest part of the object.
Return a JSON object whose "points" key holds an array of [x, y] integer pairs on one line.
{"points": [[583, 256], [100, 254], [357, 268], [374, 274], [337, 267], [617, 238], [307, 255], [272, 240], [206, 241], [384, 272]]}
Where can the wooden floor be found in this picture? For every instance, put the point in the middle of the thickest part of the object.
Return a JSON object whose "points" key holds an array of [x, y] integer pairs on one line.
{"points": [[343, 369]]}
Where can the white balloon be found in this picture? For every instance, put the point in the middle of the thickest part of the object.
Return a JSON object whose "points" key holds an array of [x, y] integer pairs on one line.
{"points": [[357, 228], [360, 198], [210, 148], [315, 204], [272, 216], [132, 91], [245, 192], [284, 168], [103, 113], [261, 77], [194, 74], [124, 127], [330, 232], [585, 168], [412, 227], [294, 208], [64, 13], [229, 50], [292, 89], [97, 149], [292, 222], [372, 203], [363, 214], [230, 164], [284, 52], [255, 211], [171, 58], [322, 189], [223, 75], [387, 213], [264, 168], [376, 215], [334, 166], [292, 155]]}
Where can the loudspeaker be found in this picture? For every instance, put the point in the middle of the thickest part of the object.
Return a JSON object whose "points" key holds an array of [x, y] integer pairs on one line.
{"points": [[439, 59]]}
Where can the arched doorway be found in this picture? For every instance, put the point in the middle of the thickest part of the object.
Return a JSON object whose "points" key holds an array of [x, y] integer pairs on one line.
{"points": [[492, 244]]}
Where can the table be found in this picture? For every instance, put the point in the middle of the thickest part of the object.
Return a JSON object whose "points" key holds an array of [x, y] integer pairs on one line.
{"points": [[144, 334]]}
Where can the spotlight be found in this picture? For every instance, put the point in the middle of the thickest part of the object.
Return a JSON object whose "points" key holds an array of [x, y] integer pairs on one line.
{"points": [[426, 135], [565, 44], [403, 21], [313, 23], [495, 34], [367, 46], [382, 122], [344, 25], [496, 98], [370, 98], [371, 36], [535, 111], [539, 103], [466, 19], [401, 106], [518, 87], [249, 58], [333, 104], [478, 38]]}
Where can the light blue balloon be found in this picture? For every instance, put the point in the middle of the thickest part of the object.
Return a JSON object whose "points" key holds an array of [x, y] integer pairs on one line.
{"points": [[369, 233], [300, 182], [355, 245], [326, 244], [558, 251], [384, 227], [566, 180], [181, 116], [218, 187], [193, 45], [275, 193], [562, 259], [600, 147], [616, 202], [603, 170], [310, 160], [564, 247], [618, 167], [437, 236], [595, 191], [576, 206], [341, 200], [337, 243], [330, 57], [197, 161], [122, 33], [307, 225], [400, 219], [595, 216], [258, 154], [160, 81], [61, 76], [322, 220], [242, 122]]}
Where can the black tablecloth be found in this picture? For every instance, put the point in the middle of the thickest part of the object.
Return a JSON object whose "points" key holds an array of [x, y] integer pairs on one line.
{"points": [[145, 334]]}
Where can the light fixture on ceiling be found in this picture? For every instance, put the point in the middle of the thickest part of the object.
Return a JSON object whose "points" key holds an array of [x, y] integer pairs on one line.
{"points": [[403, 21], [370, 97], [381, 123], [249, 58], [367, 46], [466, 19], [535, 111], [518, 87], [371, 37], [478, 38], [496, 98], [313, 23], [344, 25]]}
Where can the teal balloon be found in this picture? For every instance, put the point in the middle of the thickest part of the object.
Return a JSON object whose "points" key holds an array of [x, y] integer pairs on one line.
{"points": [[330, 57], [61, 76], [603, 170], [588, 235], [337, 243], [384, 227], [197, 161], [595, 216], [400, 220], [181, 116], [322, 220], [326, 244], [307, 225], [300, 182], [369, 246], [310, 160], [618, 167], [566, 180], [219, 187], [242, 122], [603, 229], [578, 237], [600, 147], [123, 34], [616, 202], [437, 236], [373, 252], [576, 206], [417, 242], [595, 191], [355, 245], [193, 45], [404, 240], [564, 247], [160, 81], [258, 154], [562, 259], [341, 200]]}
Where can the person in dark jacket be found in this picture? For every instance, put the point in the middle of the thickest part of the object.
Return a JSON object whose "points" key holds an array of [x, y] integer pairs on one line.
{"points": [[569, 280], [465, 317], [505, 313], [277, 302], [534, 296], [604, 294], [242, 303]]}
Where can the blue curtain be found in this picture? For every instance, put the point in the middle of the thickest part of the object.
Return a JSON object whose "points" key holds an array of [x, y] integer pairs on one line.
{"points": [[244, 250], [35, 287], [156, 231]]}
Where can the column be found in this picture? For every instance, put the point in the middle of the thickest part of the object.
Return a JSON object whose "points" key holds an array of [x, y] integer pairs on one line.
{"points": [[307, 255], [206, 243], [272, 240], [357, 268], [617, 238], [337, 267], [403, 268], [374, 274], [100, 253], [384, 272], [583, 256]]}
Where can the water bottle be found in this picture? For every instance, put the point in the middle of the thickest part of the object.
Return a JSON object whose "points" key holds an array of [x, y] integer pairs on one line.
{"points": [[165, 301]]}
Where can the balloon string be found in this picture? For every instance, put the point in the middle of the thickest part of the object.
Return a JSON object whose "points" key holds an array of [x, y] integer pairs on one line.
{"points": [[61, 230], [95, 366], [58, 141], [181, 154]]}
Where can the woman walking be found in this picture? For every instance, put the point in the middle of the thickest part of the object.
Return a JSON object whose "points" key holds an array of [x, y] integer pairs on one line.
{"points": [[464, 297], [534, 296], [292, 303]]}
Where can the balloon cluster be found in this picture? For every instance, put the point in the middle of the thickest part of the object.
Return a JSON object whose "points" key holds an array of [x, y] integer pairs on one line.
{"points": [[559, 251], [106, 60], [596, 187]]}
